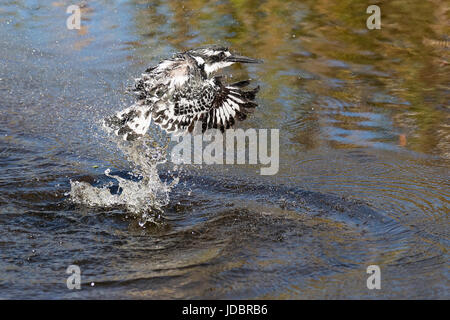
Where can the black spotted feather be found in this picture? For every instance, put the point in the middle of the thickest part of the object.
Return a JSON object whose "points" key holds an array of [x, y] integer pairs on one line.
{"points": [[211, 105], [178, 96]]}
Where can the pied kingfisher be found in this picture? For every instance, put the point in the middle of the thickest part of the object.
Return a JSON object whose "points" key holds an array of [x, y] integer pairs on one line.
{"points": [[180, 92]]}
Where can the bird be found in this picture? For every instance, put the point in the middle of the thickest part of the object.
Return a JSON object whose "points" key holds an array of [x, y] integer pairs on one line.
{"points": [[182, 92]]}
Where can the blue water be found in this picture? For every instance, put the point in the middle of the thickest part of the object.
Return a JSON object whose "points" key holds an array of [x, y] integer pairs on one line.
{"points": [[364, 154]]}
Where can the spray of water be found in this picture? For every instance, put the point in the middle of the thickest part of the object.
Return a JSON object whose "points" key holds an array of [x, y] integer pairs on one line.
{"points": [[143, 194]]}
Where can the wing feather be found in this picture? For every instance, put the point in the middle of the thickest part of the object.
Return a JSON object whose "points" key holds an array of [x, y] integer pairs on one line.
{"points": [[208, 103], [214, 104]]}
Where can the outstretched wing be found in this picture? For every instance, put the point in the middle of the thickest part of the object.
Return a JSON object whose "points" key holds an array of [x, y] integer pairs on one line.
{"points": [[211, 105], [208, 105]]}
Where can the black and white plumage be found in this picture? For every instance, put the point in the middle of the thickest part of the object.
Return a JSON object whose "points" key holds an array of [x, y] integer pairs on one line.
{"points": [[180, 93]]}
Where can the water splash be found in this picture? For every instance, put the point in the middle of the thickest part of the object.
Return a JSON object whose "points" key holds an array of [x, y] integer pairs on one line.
{"points": [[143, 194]]}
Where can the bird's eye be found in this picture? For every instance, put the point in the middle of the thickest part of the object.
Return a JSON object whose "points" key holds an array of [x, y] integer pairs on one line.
{"points": [[222, 55]]}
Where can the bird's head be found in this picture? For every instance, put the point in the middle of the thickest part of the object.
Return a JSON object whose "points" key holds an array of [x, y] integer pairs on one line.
{"points": [[213, 58]]}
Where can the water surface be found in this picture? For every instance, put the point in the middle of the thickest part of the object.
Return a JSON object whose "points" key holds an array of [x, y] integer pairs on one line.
{"points": [[364, 153]]}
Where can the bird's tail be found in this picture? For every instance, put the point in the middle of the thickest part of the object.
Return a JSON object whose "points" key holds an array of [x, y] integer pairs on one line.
{"points": [[130, 123]]}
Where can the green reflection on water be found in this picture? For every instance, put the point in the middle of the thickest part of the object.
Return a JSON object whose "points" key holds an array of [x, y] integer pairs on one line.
{"points": [[400, 71]]}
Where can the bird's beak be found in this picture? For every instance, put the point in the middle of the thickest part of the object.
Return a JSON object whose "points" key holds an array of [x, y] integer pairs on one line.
{"points": [[242, 59]]}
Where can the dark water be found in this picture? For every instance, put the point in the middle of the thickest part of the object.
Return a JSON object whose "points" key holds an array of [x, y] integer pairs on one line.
{"points": [[364, 153]]}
